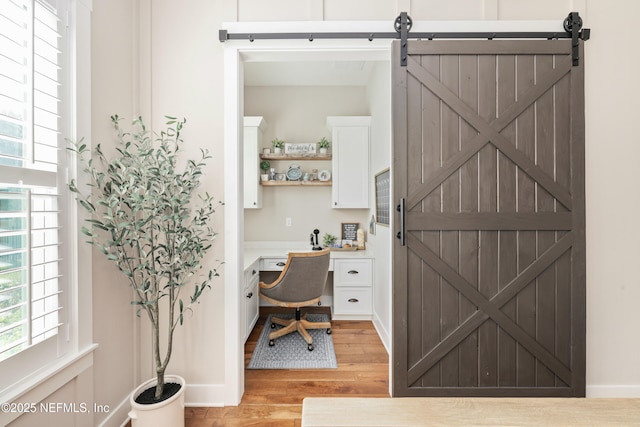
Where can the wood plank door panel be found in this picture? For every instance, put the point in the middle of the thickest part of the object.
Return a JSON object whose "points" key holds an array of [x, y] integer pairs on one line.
{"points": [[489, 289]]}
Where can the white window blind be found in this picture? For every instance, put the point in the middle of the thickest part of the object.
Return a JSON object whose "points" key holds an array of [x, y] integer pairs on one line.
{"points": [[31, 190]]}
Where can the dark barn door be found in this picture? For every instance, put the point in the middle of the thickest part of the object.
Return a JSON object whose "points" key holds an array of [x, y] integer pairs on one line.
{"points": [[489, 285]]}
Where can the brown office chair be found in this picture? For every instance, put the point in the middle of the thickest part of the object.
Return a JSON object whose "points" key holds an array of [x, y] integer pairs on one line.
{"points": [[300, 284]]}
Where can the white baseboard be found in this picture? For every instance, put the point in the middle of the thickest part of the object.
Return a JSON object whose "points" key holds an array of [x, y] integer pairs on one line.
{"points": [[117, 414], [382, 332], [198, 395], [613, 391]]}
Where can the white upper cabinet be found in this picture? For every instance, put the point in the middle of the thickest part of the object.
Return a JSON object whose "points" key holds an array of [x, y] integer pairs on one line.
{"points": [[253, 128], [350, 149]]}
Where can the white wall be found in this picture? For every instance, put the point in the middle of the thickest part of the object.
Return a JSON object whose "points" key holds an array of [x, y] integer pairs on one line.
{"points": [[299, 114], [613, 201], [184, 75], [178, 70], [113, 92]]}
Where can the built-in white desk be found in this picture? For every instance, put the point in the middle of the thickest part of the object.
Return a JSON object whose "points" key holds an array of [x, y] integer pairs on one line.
{"points": [[256, 251], [350, 297]]}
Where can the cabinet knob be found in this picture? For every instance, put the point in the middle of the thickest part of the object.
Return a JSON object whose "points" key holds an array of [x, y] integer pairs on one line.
{"points": [[281, 264], [253, 272], [353, 300], [352, 272], [250, 294]]}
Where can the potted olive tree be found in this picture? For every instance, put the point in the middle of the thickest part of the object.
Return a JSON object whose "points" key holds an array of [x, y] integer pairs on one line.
{"points": [[144, 218]]}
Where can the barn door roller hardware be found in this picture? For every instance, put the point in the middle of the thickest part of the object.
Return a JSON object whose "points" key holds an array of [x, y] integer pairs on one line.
{"points": [[573, 25], [403, 23]]}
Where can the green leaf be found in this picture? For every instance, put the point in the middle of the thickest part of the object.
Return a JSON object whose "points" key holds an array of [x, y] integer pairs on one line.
{"points": [[87, 205], [86, 231], [146, 215]]}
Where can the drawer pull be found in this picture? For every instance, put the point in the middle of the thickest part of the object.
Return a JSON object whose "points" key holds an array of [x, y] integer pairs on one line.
{"points": [[352, 272], [353, 300], [281, 264], [249, 295], [253, 272]]}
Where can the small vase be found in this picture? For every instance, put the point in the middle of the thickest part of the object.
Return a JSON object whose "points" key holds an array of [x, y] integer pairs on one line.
{"points": [[323, 151], [277, 150]]}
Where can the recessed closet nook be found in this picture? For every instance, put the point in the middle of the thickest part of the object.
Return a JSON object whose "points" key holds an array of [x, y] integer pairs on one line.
{"points": [[300, 101]]}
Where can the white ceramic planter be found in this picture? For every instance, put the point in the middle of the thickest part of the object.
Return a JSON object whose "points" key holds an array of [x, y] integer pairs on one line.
{"points": [[169, 413]]}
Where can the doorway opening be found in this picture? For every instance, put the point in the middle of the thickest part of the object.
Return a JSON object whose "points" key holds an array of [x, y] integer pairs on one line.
{"points": [[259, 80]]}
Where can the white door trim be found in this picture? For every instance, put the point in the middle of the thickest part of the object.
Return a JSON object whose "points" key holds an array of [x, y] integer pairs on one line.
{"points": [[235, 54]]}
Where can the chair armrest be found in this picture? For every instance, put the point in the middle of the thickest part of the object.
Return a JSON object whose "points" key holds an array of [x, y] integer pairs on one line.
{"points": [[263, 285]]}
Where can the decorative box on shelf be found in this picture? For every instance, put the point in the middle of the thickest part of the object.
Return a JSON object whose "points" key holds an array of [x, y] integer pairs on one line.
{"points": [[299, 149]]}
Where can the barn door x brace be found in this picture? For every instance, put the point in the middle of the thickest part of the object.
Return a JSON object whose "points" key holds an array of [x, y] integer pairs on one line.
{"points": [[403, 23]]}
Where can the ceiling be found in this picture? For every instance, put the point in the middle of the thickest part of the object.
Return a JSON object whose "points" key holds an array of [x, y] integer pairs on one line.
{"points": [[308, 73]]}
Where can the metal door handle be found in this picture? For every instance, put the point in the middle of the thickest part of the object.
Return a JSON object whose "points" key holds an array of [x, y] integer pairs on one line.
{"points": [[401, 234]]}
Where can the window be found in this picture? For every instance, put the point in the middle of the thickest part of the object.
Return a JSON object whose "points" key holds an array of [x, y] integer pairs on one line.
{"points": [[32, 189]]}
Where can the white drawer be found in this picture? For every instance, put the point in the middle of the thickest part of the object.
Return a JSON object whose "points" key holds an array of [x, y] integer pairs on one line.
{"points": [[251, 273], [352, 272], [352, 300], [272, 264]]}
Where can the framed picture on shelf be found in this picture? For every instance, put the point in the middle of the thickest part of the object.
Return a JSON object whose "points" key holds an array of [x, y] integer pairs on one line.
{"points": [[299, 149], [324, 175], [383, 196], [350, 230]]}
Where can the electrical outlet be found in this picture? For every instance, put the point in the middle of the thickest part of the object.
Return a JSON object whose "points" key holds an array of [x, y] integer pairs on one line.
{"points": [[288, 221]]}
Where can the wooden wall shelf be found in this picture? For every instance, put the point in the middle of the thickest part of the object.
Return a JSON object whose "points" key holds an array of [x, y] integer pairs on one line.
{"points": [[285, 157], [295, 183]]}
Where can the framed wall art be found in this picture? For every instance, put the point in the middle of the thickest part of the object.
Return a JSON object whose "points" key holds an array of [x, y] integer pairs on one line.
{"points": [[350, 230], [383, 196]]}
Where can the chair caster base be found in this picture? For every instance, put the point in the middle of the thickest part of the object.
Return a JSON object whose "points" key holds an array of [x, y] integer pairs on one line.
{"points": [[328, 331], [310, 347], [271, 343]]}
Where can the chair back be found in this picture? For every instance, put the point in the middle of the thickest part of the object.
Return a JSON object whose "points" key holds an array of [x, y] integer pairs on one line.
{"points": [[302, 279]]}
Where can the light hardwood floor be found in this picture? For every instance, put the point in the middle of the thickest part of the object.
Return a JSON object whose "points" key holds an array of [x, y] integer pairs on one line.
{"points": [[273, 398], [470, 411]]}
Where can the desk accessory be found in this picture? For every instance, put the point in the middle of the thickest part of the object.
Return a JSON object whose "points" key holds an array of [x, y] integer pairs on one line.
{"points": [[316, 246]]}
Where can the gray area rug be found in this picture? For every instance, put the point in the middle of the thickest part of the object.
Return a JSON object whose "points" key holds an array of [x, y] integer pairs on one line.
{"points": [[290, 351]]}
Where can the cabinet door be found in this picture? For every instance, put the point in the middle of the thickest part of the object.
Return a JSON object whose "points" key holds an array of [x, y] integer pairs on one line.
{"points": [[252, 140], [350, 166], [251, 309]]}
